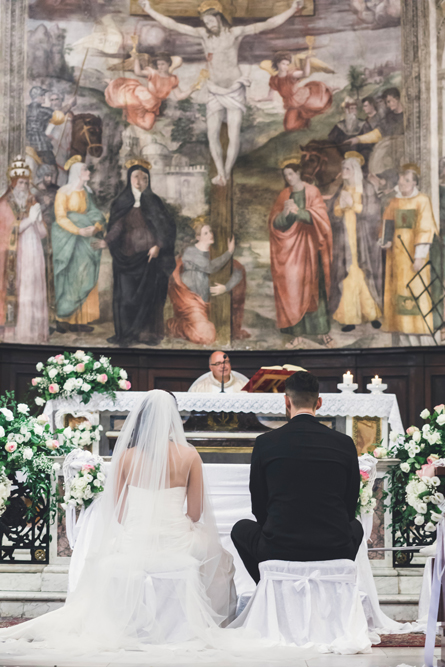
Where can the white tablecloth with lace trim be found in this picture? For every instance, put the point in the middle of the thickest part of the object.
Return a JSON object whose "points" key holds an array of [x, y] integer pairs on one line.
{"points": [[334, 405]]}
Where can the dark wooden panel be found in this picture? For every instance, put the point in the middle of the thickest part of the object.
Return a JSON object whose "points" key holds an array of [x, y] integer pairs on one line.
{"points": [[434, 386]]}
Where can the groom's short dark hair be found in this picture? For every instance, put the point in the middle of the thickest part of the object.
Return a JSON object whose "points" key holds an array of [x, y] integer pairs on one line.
{"points": [[302, 389]]}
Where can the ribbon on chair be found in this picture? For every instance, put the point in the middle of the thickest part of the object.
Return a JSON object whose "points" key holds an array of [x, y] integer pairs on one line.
{"points": [[436, 586], [303, 582]]}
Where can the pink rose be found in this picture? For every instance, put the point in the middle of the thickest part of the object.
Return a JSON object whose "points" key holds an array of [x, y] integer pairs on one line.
{"points": [[80, 368], [128, 385], [34, 382], [102, 378], [380, 453], [432, 458], [52, 444], [59, 358], [364, 475], [53, 388], [439, 408], [411, 430], [11, 447], [427, 470], [56, 444], [87, 467], [125, 385]]}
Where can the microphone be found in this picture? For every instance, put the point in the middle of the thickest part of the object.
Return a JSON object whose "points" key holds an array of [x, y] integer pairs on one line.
{"points": [[223, 369]]}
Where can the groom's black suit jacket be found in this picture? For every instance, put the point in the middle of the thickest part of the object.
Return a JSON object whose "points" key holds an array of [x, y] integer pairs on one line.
{"points": [[304, 483]]}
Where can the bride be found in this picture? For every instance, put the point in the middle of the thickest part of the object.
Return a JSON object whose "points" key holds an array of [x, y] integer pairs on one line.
{"points": [[153, 574]]}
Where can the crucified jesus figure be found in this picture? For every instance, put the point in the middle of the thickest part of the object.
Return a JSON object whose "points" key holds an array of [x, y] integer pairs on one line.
{"points": [[226, 84]]}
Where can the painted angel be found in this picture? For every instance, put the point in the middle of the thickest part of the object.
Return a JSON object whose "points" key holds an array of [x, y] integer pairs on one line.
{"points": [[141, 103], [302, 101]]}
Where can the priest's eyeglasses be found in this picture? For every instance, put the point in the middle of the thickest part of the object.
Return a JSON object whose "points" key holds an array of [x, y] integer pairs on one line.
{"points": [[220, 363]]}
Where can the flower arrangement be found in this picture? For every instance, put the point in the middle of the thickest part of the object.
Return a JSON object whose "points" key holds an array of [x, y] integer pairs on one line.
{"points": [[5, 491], [83, 435], [77, 373], [86, 485], [414, 491], [366, 502], [27, 445]]}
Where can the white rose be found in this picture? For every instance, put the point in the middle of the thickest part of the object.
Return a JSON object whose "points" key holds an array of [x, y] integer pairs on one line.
{"points": [[19, 438], [411, 452], [417, 436], [123, 374], [42, 419], [80, 354], [56, 466], [97, 483], [394, 436], [2, 432], [39, 401], [8, 414], [441, 419], [68, 368], [96, 365], [103, 361], [404, 467], [430, 527], [28, 453], [39, 367], [38, 429], [68, 431], [23, 408], [425, 414], [28, 436], [78, 382], [52, 373], [425, 429], [86, 386], [100, 476], [419, 520]]}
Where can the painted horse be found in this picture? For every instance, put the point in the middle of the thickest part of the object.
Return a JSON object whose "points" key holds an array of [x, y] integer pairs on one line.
{"points": [[87, 135]]}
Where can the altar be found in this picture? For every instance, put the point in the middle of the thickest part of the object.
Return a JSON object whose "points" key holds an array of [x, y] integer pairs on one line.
{"points": [[223, 427]]}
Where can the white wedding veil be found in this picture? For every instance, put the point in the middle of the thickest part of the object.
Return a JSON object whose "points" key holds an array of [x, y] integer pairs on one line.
{"points": [[141, 534]]}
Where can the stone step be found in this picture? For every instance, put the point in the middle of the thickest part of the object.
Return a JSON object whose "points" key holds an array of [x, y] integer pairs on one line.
{"points": [[29, 604]]}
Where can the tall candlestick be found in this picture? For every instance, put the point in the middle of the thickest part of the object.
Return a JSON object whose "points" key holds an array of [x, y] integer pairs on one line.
{"points": [[348, 378], [376, 380]]}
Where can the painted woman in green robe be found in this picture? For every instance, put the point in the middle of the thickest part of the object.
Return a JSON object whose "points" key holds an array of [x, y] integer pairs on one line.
{"points": [[76, 256]]}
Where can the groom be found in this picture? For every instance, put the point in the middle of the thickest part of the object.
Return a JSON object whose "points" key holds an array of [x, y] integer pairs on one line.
{"points": [[304, 484]]}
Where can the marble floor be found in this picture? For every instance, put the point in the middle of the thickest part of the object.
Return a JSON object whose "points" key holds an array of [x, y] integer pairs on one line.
{"points": [[388, 657]]}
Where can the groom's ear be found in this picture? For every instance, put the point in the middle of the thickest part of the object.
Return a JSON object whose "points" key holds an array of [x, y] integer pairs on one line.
{"points": [[319, 403], [288, 403]]}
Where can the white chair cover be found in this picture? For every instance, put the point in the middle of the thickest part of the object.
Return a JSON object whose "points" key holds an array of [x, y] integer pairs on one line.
{"points": [[316, 602]]}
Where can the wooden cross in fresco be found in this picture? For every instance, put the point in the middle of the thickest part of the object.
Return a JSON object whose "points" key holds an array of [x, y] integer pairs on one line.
{"points": [[221, 198]]}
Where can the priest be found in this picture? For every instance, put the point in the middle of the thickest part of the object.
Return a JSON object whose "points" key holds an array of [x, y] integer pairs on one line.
{"points": [[219, 364]]}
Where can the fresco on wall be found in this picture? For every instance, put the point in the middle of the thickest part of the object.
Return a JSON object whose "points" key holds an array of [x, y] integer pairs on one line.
{"points": [[217, 173]]}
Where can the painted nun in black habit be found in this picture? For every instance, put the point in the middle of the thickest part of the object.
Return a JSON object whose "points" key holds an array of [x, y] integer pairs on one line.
{"points": [[141, 238]]}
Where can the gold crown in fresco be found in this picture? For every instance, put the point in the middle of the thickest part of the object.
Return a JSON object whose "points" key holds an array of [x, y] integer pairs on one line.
{"points": [[411, 166], [73, 160], [19, 168], [355, 155], [216, 6], [292, 159], [140, 162]]}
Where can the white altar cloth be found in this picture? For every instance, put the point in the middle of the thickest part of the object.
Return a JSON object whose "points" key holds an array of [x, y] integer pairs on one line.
{"points": [[341, 404]]}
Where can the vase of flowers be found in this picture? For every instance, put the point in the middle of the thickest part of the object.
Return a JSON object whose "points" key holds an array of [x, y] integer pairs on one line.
{"points": [[77, 374], [86, 485], [414, 490]]}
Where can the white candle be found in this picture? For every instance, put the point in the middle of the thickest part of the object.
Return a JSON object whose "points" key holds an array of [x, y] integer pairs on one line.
{"points": [[348, 378], [376, 380]]}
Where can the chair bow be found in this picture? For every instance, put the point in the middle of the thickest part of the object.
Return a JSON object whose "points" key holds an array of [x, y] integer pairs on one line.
{"points": [[303, 582]]}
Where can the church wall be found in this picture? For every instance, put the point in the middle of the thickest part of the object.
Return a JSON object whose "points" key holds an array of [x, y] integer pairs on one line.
{"points": [[357, 50]]}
